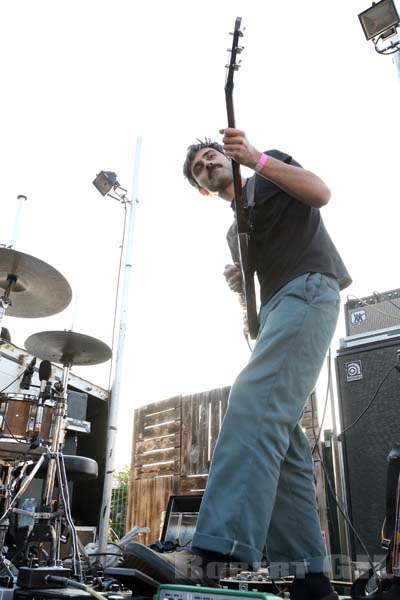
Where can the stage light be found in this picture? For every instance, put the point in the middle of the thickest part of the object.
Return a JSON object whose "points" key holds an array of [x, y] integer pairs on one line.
{"points": [[105, 181]]}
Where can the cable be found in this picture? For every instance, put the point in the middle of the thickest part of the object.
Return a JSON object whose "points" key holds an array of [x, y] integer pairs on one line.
{"points": [[63, 488], [326, 402], [116, 299], [74, 584], [378, 298], [105, 554], [20, 441], [338, 501], [246, 337], [23, 487], [372, 306], [339, 437], [391, 49], [13, 381]]}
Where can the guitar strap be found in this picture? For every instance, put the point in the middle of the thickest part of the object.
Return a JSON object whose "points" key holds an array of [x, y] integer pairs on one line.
{"points": [[231, 236]]}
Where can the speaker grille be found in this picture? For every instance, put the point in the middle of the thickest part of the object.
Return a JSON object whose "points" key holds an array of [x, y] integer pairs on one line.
{"points": [[366, 445], [372, 313]]}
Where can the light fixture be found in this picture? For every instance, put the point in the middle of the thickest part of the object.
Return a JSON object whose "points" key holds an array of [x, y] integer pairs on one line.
{"points": [[380, 22], [105, 181]]}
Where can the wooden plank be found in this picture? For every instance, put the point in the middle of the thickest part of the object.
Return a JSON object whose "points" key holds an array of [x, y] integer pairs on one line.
{"points": [[156, 470], [149, 499], [215, 425], [170, 441], [155, 432], [195, 434], [219, 403], [158, 412], [307, 422], [158, 456], [192, 485], [172, 414], [162, 405]]}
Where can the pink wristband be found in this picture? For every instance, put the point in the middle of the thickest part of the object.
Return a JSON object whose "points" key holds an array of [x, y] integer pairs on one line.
{"points": [[261, 162]]}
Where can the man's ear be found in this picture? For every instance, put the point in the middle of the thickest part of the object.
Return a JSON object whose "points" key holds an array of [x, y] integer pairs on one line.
{"points": [[203, 192]]}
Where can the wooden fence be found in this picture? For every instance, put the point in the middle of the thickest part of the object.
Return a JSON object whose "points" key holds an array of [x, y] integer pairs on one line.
{"points": [[172, 449]]}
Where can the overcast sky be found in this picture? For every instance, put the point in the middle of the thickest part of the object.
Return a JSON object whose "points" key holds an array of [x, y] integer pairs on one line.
{"points": [[83, 79]]}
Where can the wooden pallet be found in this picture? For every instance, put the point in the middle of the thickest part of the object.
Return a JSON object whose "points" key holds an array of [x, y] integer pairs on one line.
{"points": [[173, 444]]}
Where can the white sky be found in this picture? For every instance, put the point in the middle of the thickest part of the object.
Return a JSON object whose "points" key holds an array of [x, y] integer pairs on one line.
{"points": [[82, 79]]}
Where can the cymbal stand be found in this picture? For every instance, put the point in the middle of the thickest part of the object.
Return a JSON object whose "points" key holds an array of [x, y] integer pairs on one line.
{"points": [[60, 397], [5, 494], [5, 300], [55, 467]]}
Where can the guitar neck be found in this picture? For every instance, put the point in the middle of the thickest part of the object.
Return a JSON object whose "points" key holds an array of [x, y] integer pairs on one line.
{"points": [[242, 223]]}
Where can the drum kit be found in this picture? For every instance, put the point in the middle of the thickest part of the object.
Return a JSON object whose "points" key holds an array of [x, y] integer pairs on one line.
{"points": [[33, 426]]}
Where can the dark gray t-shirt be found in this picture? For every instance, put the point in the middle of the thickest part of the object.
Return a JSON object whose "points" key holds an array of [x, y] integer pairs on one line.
{"points": [[288, 238]]}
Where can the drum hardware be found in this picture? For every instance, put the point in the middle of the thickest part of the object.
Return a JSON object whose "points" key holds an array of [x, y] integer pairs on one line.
{"points": [[18, 416], [32, 428], [68, 348]]}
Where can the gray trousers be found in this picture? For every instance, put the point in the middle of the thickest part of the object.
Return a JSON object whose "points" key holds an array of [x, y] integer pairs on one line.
{"points": [[260, 490]]}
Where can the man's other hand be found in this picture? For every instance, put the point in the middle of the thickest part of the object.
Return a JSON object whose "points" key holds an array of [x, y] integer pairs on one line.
{"points": [[233, 276]]}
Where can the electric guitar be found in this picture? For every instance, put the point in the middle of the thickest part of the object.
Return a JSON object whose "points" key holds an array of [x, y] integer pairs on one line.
{"points": [[243, 229]]}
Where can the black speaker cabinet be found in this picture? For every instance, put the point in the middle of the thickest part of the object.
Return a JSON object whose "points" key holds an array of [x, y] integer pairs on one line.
{"points": [[366, 445]]}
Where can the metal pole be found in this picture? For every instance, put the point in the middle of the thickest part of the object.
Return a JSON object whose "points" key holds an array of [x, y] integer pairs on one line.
{"points": [[21, 199], [114, 400], [396, 57], [340, 486]]}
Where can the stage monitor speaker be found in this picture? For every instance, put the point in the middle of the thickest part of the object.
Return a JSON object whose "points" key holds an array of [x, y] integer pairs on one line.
{"points": [[372, 313], [366, 445], [180, 519]]}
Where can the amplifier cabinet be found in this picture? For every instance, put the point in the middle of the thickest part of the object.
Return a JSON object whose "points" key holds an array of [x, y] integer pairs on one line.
{"points": [[366, 445], [378, 311]]}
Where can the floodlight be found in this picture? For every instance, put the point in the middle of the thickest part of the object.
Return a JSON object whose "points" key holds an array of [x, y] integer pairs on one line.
{"points": [[105, 181], [381, 18]]}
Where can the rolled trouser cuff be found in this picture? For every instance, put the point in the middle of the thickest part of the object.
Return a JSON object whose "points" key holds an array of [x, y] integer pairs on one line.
{"points": [[233, 549]]}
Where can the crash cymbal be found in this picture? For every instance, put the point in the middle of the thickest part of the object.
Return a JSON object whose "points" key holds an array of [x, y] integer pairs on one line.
{"points": [[39, 289], [67, 348]]}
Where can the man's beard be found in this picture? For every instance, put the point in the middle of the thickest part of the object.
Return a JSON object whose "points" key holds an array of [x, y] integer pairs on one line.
{"points": [[221, 178]]}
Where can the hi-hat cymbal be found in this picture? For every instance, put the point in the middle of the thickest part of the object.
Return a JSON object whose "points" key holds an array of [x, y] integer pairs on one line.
{"points": [[67, 348], [39, 289]]}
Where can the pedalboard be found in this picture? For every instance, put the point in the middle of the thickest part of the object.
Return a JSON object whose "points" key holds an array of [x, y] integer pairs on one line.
{"points": [[186, 592]]}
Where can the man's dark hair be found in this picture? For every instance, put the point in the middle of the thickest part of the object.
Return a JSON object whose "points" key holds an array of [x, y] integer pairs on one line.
{"points": [[191, 151]]}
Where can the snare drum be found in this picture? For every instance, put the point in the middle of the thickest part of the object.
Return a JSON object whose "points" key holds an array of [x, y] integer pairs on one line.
{"points": [[17, 424]]}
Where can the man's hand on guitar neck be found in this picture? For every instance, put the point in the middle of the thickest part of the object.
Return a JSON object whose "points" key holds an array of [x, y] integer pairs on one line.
{"points": [[237, 146], [299, 183], [233, 276]]}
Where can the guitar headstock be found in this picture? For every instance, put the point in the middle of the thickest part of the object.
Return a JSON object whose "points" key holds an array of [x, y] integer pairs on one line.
{"points": [[234, 51]]}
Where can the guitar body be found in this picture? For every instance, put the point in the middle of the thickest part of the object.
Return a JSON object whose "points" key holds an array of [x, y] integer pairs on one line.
{"points": [[249, 293], [381, 584]]}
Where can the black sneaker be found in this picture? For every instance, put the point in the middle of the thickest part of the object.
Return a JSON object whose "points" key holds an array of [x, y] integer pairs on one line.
{"points": [[182, 567]]}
